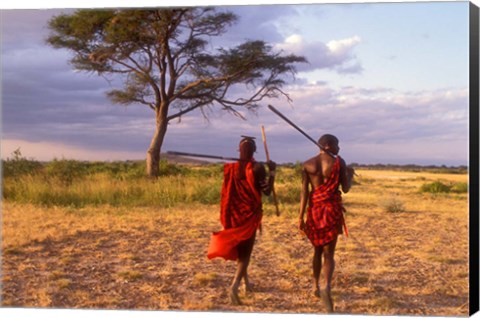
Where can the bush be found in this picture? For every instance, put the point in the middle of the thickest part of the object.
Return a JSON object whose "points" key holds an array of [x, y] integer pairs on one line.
{"points": [[460, 187], [435, 187], [19, 165], [119, 170], [170, 169], [393, 205], [66, 170]]}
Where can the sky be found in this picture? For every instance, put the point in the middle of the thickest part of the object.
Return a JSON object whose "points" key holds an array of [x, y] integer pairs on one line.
{"points": [[390, 80]]}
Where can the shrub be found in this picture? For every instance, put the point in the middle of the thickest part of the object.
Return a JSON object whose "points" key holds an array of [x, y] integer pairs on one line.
{"points": [[393, 205], [170, 169], [435, 187], [66, 170], [460, 187], [19, 165], [119, 170]]}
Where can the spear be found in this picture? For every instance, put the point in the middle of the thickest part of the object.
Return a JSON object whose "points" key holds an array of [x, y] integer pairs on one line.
{"points": [[276, 111], [188, 154], [273, 109], [264, 138], [199, 155]]}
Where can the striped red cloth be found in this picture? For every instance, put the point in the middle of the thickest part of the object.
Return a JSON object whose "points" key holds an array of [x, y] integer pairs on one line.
{"points": [[240, 212], [325, 210]]}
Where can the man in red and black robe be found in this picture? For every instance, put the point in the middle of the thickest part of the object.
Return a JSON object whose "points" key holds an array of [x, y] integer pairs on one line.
{"points": [[241, 212], [322, 177]]}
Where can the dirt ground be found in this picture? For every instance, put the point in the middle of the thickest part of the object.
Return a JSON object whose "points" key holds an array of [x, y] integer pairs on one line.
{"points": [[413, 262]]}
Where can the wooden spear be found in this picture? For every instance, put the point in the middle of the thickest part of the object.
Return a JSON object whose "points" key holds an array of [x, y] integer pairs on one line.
{"points": [[264, 138], [273, 109], [277, 112], [188, 154], [199, 155]]}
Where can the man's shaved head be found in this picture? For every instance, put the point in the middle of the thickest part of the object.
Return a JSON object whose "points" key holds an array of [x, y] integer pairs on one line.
{"points": [[328, 140], [247, 147]]}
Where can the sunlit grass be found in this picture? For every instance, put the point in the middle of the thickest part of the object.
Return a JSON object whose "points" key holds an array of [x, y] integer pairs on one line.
{"points": [[152, 255]]}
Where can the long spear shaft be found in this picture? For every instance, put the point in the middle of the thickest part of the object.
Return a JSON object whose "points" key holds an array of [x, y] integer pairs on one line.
{"points": [[264, 138], [189, 154], [273, 109]]}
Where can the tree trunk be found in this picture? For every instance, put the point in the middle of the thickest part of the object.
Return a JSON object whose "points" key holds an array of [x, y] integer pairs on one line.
{"points": [[153, 152]]}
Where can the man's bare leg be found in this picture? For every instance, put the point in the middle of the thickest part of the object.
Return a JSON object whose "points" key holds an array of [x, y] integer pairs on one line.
{"points": [[317, 269], [248, 286], [233, 293], [329, 267], [245, 249]]}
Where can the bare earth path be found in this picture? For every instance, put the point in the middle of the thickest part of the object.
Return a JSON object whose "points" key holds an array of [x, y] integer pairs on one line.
{"points": [[413, 262]]}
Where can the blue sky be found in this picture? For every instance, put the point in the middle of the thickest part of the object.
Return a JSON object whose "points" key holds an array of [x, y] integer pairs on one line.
{"points": [[389, 79]]}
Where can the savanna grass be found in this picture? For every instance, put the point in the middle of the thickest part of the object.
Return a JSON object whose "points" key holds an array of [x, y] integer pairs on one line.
{"points": [[154, 257], [101, 189], [79, 184]]}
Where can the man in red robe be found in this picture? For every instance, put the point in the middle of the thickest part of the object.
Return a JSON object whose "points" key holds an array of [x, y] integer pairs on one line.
{"points": [[241, 212], [322, 177]]}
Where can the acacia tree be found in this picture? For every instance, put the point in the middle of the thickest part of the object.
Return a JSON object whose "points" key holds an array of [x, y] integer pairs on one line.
{"points": [[165, 61]]}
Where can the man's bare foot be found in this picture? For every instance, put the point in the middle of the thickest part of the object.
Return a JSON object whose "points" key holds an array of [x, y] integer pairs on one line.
{"points": [[316, 292], [233, 293], [327, 300], [249, 288]]}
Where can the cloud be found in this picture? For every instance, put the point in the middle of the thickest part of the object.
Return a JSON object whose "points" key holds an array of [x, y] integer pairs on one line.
{"points": [[386, 117], [377, 125], [46, 151], [30, 25], [335, 55], [52, 111], [342, 48], [256, 24]]}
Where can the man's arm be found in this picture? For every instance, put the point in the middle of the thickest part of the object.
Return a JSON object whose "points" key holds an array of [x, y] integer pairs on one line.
{"points": [[346, 176], [303, 199], [265, 184]]}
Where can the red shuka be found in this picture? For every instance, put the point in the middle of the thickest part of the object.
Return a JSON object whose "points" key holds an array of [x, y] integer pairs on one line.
{"points": [[325, 210], [240, 212]]}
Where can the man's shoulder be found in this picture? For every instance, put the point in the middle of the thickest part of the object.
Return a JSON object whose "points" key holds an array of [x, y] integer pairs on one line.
{"points": [[311, 161], [311, 164], [257, 166], [258, 170]]}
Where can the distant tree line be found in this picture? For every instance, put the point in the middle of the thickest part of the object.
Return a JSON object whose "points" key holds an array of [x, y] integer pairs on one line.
{"points": [[413, 168], [18, 165], [462, 169]]}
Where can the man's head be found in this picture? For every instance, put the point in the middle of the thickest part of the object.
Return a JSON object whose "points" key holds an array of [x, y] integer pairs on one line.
{"points": [[247, 147], [329, 143]]}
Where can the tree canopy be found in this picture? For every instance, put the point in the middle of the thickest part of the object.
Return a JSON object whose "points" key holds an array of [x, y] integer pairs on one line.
{"points": [[166, 62]]}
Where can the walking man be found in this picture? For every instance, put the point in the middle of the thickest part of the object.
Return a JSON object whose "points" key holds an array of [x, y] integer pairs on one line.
{"points": [[241, 212], [322, 177]]}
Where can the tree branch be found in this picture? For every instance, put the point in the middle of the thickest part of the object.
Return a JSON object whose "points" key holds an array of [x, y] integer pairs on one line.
{"points": [[183, 112]]}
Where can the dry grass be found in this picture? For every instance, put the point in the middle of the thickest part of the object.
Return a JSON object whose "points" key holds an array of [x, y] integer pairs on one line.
{"points": [[412, 262]]}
